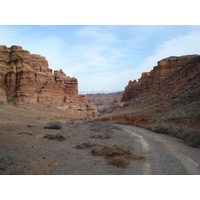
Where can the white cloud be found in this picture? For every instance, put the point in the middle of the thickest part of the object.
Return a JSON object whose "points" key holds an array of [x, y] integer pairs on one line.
{"points": [[179, 46]]}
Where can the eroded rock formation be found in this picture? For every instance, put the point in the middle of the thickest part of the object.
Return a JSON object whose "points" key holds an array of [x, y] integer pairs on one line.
{"points": [[173, 100], [164, 68], [26, 79], [105, 103]]}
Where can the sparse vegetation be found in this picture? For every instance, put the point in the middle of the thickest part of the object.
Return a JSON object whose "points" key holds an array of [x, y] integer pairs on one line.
{"points": [[115, 155], [119, 161], [85, 145], [112, 151], [57, 137], [10, 96], [190, 136], [53, 125], [104, 136], [100, 126]]}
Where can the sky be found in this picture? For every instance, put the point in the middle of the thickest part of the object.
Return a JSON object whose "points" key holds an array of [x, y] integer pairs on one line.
{"points": [[103, 56]]}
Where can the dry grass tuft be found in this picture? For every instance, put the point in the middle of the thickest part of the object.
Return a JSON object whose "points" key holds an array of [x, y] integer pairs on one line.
{"points": [[57, 137], [115, 155], [100, 126], [118, 161], [85, 145], [104, 136]]}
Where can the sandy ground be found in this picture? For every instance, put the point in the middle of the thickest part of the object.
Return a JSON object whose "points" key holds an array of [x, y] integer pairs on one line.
{"points": [[27, 148]]}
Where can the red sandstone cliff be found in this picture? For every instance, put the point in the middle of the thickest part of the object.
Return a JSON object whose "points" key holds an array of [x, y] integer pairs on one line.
{"points": [[164, 68], [165, 96], [26, 79]]}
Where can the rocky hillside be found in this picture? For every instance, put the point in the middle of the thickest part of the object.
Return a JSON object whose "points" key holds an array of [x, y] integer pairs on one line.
{"points": [[170, 93], [164, 69], [105, 103], [26, 80]]}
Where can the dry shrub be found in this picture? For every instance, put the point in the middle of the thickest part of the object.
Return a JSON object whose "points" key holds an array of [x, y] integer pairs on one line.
{"points": [[112, 151], [57, 137], [104, 136], [100, 126], [85, 145], [118, 161], [72, 134], [190, 136], [115, 155]]}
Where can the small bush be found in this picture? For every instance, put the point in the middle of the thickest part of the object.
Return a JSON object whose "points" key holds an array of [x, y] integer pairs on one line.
{"points": [[190, 136], [102, 127], [85, 145], [53, 125], [57, 137], [104, 136], [115, 155], [119, 161], [112, 151]]}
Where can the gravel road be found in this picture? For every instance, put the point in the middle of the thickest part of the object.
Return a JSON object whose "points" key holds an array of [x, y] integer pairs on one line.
{"points": [[164, 155]]}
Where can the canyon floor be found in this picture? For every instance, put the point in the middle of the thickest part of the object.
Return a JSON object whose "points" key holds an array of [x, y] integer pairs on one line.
{"points": [[77, 147], [32, 143]]}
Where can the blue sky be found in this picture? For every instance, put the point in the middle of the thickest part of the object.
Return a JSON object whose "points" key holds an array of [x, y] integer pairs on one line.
{"points": [[103, 57]]}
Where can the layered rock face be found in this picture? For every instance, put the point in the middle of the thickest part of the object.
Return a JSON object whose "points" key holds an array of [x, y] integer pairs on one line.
{"points": [[173, 100], [164, 68], [26, 79]]}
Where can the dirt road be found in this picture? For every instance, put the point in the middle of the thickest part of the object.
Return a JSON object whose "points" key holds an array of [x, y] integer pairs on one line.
{"points": [[164, 155]]}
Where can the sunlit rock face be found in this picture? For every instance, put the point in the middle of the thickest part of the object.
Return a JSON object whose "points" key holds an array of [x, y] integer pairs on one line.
{"points": [[26, 79]]}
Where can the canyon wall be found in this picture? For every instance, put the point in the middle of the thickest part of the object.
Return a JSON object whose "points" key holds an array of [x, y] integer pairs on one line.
{"points": [[174, 99], [26, 79], [163, 69]]}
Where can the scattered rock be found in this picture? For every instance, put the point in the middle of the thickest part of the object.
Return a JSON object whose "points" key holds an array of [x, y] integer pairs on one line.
{"points": [[30, 126], [53, 125]]}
